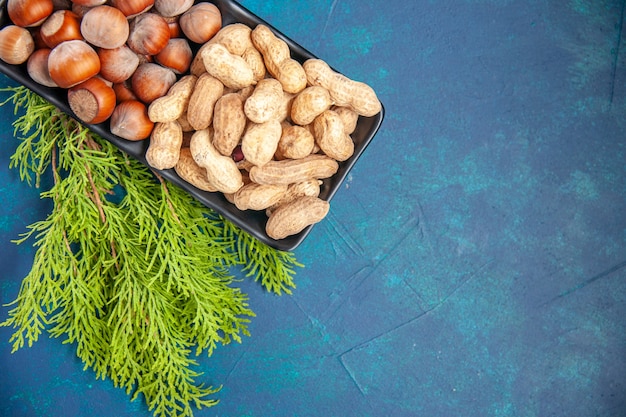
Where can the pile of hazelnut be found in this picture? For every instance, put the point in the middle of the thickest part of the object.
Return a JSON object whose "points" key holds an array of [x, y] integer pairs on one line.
{"points": [[114, 57]]}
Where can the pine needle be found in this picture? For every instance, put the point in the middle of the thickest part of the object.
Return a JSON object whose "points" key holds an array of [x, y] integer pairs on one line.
{"points": [[129, 268]]}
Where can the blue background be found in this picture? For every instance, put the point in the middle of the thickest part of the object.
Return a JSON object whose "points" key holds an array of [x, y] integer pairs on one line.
{"points": [[473, 263]]}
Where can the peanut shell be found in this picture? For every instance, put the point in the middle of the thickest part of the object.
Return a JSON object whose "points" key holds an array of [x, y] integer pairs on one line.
{"points": [[329, 133], [222, 172], [190, 171], [232, 70], [172, 105], [278, 61], [295, 142], [309, 104], [293, 217], [265, 101], [229, 123], [255, 196], [207, 91], [260, 140], [165, 142], [290, 171], [344, 91]]}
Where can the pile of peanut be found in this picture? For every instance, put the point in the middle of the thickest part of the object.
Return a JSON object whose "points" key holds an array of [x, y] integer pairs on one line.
{"points": [[258, 126]]}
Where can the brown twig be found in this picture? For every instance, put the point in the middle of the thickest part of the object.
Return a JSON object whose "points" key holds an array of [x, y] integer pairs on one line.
{"points": [[55, 176], [167, 195], [114, 255], [95, 196], [53, 163], [92, 144]]}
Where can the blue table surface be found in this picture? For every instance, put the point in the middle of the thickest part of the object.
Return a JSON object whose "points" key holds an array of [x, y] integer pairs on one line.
{"points": [[473, 263]]}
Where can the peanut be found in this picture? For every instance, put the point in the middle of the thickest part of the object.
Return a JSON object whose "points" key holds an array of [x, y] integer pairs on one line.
{"points": [[260, 140], [229, 123], [202, 101], [255, 196], [222, 172], [165, 142], [284, 109], [309, 104], [265, 101], [356, 95], [290, 171], [190, 171], [329, 133], [236, 38], [255, 60], [348, 116], [232, 70], [295, 142], [278, 61], [293, 217], [171, 106], [230, 197], [309, 187]]}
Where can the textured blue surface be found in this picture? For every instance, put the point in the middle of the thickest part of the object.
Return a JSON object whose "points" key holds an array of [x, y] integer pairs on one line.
{"points": [[474, 263]]}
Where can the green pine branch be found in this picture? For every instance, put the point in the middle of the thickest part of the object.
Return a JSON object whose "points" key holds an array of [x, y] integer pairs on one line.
{"points": [[129, 268]]}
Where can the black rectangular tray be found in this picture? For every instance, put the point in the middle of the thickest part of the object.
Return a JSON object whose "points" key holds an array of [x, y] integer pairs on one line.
{"points": [[252, 222]]}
